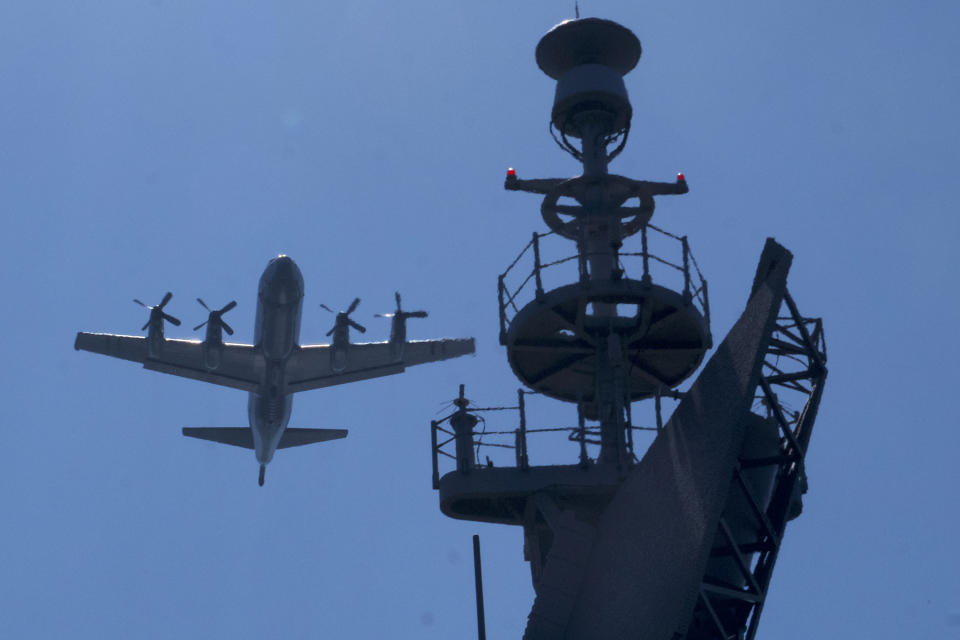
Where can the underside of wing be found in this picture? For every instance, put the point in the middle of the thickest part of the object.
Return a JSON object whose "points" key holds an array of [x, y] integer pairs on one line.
{"points": [[320, 365], [127, 347], [238, 366], [316, 366], [421, 351]]}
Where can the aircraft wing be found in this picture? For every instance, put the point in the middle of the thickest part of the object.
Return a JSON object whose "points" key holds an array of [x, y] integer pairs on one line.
{"points": [[240, 365], [312, 366]]}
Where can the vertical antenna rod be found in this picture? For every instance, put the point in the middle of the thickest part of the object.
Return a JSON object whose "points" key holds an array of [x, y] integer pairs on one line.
{"points": [[481, 627]]}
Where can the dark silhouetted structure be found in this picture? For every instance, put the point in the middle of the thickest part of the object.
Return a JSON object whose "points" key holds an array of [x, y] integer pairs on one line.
{"points": [[679, 542]]}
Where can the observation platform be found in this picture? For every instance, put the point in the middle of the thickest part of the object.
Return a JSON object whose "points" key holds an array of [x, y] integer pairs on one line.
{"points": [[500, 494], [558, 340]]}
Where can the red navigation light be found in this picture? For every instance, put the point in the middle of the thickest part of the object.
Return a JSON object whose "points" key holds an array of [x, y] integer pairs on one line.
{"points": [[680, 178], [511, 172]]}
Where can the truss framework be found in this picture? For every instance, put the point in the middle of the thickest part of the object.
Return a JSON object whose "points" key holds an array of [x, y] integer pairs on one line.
{"points": [[794, 372]]}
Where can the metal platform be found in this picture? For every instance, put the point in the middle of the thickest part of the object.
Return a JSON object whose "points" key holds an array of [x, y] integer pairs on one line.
{"points": [[553, 342], [500, 494], [654, 311]]}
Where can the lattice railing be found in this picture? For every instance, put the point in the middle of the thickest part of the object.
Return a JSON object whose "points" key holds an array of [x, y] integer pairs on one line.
{"points": [[670, 263]]}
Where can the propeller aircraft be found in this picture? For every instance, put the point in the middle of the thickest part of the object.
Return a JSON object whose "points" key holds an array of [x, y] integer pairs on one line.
{"points": [[276, 366]]}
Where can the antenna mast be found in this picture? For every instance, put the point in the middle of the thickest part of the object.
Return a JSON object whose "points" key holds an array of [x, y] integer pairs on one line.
{"points": [[678, 543]]}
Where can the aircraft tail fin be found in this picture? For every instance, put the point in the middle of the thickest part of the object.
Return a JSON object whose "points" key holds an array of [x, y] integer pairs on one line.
{"points": [[300, 437], [236, 436]]}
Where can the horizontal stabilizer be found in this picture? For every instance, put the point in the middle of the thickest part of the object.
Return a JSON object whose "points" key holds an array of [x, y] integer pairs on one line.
{"points": [[237, 436], [243, 436], [299, 437]]}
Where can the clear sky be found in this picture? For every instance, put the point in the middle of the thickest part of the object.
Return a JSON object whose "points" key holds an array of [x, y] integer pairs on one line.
{"points": [[148, 146]]}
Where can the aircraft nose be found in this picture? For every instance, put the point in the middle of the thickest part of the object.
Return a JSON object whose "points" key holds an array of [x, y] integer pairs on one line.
{"points": [[282, 281], [282, 267]]}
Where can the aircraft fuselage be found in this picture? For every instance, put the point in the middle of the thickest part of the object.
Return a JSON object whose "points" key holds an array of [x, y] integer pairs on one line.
{"points": [[276, 334]]}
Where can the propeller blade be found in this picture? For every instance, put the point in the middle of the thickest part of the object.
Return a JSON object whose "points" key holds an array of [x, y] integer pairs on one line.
{"points": [[357, 326], [229, 305], [331, 331], [165, 300], [396, 294], [323, 306], [200, 325], [384, 315], [416, 314], [353, 306], [141, 304], [170, 319], [226, 328], [144, 327], [203, 304]]}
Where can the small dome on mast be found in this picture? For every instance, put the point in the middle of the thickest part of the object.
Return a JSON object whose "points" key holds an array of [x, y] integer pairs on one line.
{"points": [[587, 41]]}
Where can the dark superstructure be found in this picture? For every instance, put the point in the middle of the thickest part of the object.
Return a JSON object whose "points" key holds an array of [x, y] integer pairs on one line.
{"points": [[679, 541]]}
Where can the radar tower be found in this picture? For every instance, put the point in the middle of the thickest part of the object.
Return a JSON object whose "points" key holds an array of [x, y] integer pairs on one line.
{"points": [[681, 543]]}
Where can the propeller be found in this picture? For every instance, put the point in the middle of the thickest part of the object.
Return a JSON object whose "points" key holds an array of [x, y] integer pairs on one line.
{"points": [[343, 317], [158, 311], [216, 317], [400, 313]]}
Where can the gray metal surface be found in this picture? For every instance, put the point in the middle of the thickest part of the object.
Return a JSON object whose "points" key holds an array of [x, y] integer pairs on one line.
{"points": [[654, 538], [500, 494], [553, 342], [587, 41], [767, 489]]}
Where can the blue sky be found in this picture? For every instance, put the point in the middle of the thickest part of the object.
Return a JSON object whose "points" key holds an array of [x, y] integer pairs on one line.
{"points": [[172, 145]]}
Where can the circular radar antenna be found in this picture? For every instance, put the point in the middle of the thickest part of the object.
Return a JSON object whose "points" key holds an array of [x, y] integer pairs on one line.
{"points": [[587, 41], [588, 58]]}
